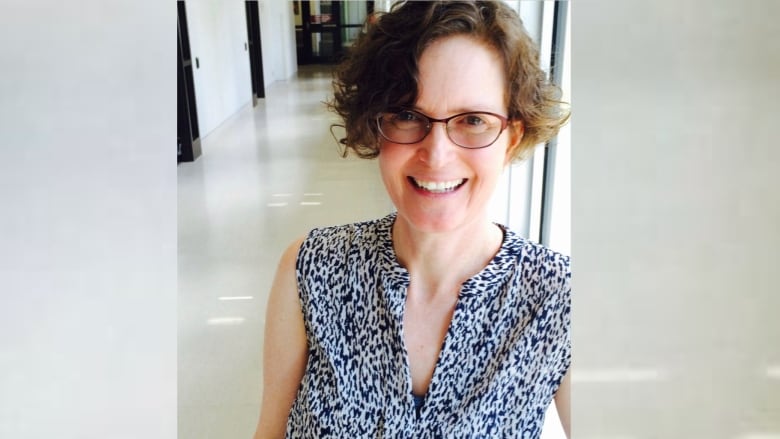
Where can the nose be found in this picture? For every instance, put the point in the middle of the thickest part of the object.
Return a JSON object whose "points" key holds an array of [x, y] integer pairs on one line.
{"points": [[436, 149]]}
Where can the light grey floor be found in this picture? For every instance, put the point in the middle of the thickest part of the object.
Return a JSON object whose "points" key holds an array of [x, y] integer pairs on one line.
{"points": [[267, 175]]}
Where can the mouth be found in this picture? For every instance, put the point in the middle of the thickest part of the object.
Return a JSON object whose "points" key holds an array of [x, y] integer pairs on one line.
{"points": [[438, 187]]}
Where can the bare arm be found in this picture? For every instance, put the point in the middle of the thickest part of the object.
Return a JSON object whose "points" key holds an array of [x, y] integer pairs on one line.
{"points": [[284, 349], [563, 403]]}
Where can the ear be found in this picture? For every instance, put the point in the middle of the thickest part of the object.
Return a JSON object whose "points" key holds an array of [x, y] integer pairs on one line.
{"points": [[516, 130]]}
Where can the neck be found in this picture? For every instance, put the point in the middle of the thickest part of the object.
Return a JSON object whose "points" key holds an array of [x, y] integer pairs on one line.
{"points": [[440, 262]]}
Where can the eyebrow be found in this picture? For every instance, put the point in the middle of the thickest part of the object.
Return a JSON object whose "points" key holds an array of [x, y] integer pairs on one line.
{"points": [[460, 110]]}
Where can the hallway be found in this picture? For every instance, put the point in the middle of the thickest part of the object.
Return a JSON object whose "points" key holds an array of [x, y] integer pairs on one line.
{"points": [[267, 176]]}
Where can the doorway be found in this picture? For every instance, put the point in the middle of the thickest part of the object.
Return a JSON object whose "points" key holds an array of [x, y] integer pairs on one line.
{"points": [[255, 51], [324, 30]]}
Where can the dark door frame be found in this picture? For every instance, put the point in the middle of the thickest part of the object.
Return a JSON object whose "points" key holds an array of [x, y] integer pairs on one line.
{"points": [[188, 143], [308, 28], [255, 51]]}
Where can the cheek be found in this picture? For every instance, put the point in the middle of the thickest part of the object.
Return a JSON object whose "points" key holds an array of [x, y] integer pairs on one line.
{"points": [[389, 166], [493, 157], [489, 170], [391, 157]]}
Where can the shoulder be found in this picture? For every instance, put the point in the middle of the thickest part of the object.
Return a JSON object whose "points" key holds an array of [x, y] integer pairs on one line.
{"points": [[531, 252], [339, 240], [538, 263], [290, 255], [336, 261]]}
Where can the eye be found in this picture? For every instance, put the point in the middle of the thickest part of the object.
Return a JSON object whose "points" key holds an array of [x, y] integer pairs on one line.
{"points": [[407, 116], [473, 123], [408, 120], [474, 120]]}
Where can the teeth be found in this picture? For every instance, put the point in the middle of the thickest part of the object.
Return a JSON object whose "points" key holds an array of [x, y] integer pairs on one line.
{"points": [[439, 186]]}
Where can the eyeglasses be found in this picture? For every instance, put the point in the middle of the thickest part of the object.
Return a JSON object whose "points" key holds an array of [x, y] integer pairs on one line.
{"points": [[471, 130]]}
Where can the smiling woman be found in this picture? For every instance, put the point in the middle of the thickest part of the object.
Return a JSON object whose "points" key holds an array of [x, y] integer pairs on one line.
{"points": [[431, 321], [455, 74]]}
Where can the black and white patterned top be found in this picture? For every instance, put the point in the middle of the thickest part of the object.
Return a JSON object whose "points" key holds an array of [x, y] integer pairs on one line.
{"points": [[504, 355]]}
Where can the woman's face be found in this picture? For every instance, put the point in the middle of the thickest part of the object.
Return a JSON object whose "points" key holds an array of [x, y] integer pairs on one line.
{"points": [[456, 74]]}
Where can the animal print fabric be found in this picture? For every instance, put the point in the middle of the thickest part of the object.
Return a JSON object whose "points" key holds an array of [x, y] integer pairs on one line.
{"points": [[504, 355]]}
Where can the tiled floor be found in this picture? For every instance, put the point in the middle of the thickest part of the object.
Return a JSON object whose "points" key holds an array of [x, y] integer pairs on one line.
{"points": [[267, 176]]}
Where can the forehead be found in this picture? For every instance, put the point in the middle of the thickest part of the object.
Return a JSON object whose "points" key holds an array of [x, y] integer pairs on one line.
{"points": [[460, 73]]}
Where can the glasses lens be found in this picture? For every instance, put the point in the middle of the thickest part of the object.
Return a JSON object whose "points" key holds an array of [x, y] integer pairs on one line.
{"points": [[403, 126], [474, 130]]}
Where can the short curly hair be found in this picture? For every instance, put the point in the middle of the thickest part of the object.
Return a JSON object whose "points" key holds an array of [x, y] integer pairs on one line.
{"points": [[380, 70]]}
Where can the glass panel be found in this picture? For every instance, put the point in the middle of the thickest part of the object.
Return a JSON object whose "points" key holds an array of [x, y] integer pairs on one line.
{"points": [[315, 44], [560, 219], [349, 35], [353, 12], [321, 12], [322, 44]]}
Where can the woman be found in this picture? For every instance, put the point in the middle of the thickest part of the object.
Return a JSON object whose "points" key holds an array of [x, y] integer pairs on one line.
{"points": [[432, 321]]}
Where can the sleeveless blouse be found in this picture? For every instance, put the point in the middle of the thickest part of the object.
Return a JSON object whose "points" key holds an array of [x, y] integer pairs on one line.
{"points": [[504, 355]]}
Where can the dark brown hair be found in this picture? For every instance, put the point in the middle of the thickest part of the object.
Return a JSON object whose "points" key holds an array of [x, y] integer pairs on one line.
{"points": [[380, 71]]}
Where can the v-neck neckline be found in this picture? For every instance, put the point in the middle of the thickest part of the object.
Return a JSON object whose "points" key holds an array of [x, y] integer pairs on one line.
{"points": [[397, 278]]}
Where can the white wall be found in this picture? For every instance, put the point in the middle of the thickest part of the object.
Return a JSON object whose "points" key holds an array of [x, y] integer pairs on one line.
{"points": [[277, 29], [88, 223], [218, 36]]}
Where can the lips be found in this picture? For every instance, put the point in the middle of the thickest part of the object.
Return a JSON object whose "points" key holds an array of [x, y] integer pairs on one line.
{"points": [[438, 187]]}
